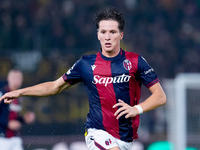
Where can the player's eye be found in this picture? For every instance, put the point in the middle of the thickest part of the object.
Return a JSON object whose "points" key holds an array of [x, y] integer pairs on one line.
{"points": [[112, 32]]}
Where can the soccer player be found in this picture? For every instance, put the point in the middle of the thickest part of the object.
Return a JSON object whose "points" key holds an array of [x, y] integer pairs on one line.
{"points": [[113, 79], [10, 119]]}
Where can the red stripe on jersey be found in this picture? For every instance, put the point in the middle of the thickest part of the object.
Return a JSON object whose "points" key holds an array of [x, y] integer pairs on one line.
{"points": [[107, 99], [134, 87], [152, 83], [12, 116]]}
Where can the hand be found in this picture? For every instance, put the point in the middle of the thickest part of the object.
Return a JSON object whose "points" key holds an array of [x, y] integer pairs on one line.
{"points": [[14, 125], [9, 97], [125, 109]]}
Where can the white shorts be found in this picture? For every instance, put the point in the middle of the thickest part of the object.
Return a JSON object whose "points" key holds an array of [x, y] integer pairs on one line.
{"points": [[102, 140], [13, 143]]}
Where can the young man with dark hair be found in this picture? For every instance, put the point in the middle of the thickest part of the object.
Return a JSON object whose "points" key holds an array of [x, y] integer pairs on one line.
{"points": [[113, 79]]}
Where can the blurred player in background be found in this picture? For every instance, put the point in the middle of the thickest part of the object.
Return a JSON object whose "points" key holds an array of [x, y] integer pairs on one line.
{"points": [[10, 119], [113, 79]]}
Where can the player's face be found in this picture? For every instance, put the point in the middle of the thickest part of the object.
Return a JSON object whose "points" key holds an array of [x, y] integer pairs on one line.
{"points": [[15, 80], [109, 36]]}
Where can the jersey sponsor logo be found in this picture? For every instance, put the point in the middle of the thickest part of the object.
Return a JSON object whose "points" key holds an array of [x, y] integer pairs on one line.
{"points": [[93, 67], [146, 72], [107, 80], [127, 64]]}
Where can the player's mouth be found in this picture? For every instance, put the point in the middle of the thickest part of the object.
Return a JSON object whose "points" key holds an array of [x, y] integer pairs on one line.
{"points": [[107, 45]]}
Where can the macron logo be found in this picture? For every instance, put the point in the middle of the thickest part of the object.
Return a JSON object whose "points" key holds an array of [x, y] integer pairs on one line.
{"points": [[93, 67]]}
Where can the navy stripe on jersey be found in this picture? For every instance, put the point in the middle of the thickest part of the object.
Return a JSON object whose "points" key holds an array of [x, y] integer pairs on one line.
{"points": [[82, 70], [122, 92], [95, 115]]}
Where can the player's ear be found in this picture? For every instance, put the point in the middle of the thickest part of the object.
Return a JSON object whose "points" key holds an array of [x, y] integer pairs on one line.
{"points": [[122, 35], [98, 35]]}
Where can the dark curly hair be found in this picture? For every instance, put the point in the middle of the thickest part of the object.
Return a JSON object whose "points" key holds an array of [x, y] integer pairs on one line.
{"points": [[110, 14]]}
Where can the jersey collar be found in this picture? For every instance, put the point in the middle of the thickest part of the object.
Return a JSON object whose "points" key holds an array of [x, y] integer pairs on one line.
{"points": [[111, 58]]}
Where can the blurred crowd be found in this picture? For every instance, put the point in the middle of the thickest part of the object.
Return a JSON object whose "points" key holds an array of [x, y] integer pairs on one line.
{"points": [[166, 30], [50, 35]]}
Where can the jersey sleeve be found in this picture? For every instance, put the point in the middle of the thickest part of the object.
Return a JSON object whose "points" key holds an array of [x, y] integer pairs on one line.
{"points": [[73, 75], [147, 75]]}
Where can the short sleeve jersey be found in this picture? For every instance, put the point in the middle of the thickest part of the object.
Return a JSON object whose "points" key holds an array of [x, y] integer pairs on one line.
{"points": [[107, 80]]}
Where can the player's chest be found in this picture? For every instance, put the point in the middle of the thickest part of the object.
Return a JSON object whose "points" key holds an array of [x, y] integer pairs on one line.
{"points": [[107, 71]]}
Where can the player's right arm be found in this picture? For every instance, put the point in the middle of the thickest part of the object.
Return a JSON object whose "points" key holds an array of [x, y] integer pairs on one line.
{"points": [[40, 90]]}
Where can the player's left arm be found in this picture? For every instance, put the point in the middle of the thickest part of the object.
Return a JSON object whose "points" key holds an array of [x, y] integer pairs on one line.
{"points": [[156, 99]]}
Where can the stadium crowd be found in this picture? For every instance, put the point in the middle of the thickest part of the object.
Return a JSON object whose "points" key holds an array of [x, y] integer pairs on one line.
{"points": [[167, 30]]}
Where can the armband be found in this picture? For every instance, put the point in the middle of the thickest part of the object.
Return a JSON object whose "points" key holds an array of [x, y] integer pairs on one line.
{"points": [[139, 108]]}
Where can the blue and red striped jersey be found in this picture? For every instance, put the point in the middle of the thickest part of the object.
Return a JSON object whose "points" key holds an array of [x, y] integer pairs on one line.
{"points": [[107, 80], [7, 113]]}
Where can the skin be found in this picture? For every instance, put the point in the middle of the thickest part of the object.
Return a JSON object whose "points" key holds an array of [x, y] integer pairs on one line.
{"points": [[109, 36], [15, 79], [156, 99]]}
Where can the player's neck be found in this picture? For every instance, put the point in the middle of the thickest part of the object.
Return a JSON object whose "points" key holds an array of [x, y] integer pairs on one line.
{"points": [[110, 54]]}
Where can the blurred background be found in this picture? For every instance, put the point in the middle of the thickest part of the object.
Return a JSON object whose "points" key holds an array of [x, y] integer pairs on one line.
{"points": [[45, 37]]}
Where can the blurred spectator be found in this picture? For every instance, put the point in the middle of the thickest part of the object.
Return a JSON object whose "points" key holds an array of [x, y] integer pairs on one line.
{"points": [[77, 145], [10, 119], [138, 146], [168, 29], [60, 146]]}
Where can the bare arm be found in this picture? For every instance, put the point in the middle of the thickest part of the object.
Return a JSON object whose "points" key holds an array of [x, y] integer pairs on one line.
{"points": [[156, 99], [43, 89]]}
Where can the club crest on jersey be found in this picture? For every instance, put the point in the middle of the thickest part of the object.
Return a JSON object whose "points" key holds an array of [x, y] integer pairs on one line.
{"points": [[127, 64], [108, 142]]}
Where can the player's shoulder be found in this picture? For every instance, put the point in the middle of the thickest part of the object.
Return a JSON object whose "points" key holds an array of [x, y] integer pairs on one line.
{"points": [[89, 57], [131, 54]]}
